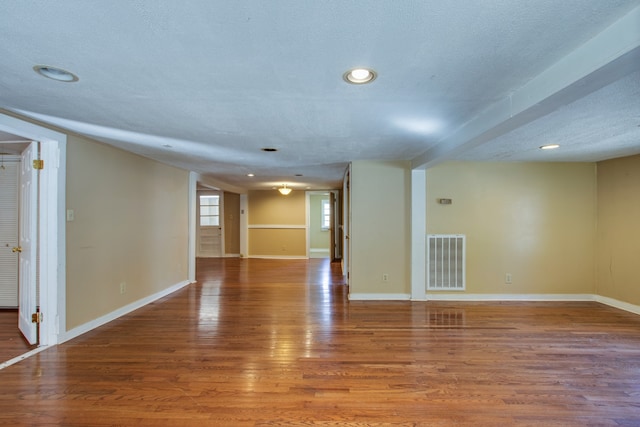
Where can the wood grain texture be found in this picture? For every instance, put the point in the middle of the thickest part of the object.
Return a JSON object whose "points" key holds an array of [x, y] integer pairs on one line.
{"points": [[277, 343], [12, 343]]}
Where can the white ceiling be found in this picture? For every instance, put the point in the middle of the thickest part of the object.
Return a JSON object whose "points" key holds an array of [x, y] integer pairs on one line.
{"points": [[205, 84]]}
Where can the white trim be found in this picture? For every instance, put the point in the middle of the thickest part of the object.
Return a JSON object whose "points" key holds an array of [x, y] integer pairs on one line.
{"points": [[23, 356], [379, 297], [52, 223], [320, 250], [102, 320], [434, 296], [193, 185], [418, 234], [231, 256], [278, 256], [632, 308], [244, 232], [278, 226], [617, 304]]}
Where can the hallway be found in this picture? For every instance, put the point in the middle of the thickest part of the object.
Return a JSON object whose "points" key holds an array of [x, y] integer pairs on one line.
{"points": [[271, 342]]}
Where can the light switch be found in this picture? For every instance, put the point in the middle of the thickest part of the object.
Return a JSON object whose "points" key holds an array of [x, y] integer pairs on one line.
{"points": [[70, 215]]}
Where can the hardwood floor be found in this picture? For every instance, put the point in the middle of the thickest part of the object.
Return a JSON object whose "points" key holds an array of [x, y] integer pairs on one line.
{"points": [[276, 343], [12, 344]]}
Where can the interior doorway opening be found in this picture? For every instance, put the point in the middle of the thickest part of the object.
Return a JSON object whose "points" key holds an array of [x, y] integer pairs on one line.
{"points": [[49, 242], [324, 227]]}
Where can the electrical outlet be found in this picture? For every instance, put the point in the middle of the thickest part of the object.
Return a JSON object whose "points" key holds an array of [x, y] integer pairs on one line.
{"points": [[123, 287], [508, 279], [385, 277]]}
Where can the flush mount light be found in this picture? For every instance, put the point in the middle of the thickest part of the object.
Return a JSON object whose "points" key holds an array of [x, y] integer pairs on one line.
{"points": [[550, 147], [284, 190], [55, 73], [359, 76]]}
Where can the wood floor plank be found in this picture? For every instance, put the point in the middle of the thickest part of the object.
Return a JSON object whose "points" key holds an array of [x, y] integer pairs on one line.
{"points": [[12, 343], [277, 343]]}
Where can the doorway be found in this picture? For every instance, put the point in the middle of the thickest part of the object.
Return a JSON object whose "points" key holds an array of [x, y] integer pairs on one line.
{"points": [[50, 242], [209, 236], [324, 228]]}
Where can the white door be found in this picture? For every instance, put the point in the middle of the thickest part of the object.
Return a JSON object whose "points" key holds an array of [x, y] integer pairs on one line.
{"points": [[209, 225], [28, 243]]}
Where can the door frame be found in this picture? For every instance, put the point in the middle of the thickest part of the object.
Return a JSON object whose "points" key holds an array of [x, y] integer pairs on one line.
{"points": [[52, 239], [331, 194]]}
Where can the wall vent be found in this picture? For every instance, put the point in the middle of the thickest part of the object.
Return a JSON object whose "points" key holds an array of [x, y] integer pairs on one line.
{"points": [[446, 262]]}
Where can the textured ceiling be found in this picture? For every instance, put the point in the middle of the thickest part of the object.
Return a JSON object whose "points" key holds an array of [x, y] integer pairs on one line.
{"points": [[204, 85]]}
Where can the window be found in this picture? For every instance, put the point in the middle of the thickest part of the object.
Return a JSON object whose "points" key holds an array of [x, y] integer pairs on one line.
{"points": [[210, 211], [326, 215]]}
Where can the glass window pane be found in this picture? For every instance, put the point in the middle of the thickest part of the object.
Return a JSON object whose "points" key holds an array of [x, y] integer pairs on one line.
{"points": [[209, 210], [209, 200]]}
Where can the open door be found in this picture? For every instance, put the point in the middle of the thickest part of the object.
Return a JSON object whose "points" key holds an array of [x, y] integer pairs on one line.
{"points": [[332, 227], [27, 247]]}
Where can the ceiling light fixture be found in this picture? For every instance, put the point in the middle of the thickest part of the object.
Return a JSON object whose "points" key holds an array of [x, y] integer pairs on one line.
{"points": [[250, 175], [359, 76], [549, 147], [55, 73], [284, 190]]}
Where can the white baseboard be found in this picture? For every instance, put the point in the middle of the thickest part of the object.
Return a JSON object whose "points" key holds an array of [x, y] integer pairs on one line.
{"points": [[508, 297], [319, 250], [77, 331], [617, 304], [501, 297], [23, 356], [278, 256], [232, 255], [535, 297], [379, 297]]}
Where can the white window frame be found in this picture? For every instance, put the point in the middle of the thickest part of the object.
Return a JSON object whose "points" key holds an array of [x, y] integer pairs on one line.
{"points": [[201, 215]]}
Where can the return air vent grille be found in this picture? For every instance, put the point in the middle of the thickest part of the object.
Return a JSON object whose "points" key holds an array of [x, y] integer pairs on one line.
{"points": [[446, 262]]}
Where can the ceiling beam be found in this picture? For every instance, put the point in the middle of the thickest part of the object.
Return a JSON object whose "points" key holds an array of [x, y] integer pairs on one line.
{"points": [[609, 56]]}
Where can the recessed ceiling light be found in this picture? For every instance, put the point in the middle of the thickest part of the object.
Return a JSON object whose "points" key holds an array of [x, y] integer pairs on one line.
{"points": [[299, 174], [250, 174], [359, 76], [550, 147], [269, 150], [55, 73]]}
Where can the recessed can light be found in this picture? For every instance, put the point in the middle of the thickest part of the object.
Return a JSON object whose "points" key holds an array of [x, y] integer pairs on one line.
{"points": [[55, 73], [250, 175], [359, 76], [269, 150], [549, 147]]}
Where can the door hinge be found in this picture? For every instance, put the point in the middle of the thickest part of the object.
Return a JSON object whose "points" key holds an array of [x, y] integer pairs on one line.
{"points": [[38, 164], [37, 317]]}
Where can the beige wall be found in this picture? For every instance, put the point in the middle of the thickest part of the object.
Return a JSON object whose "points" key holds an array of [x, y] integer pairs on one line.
{"points": [[380, 227], [131, 225], [534, 220], [318, 238], [619, 229], [276, 224]]}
